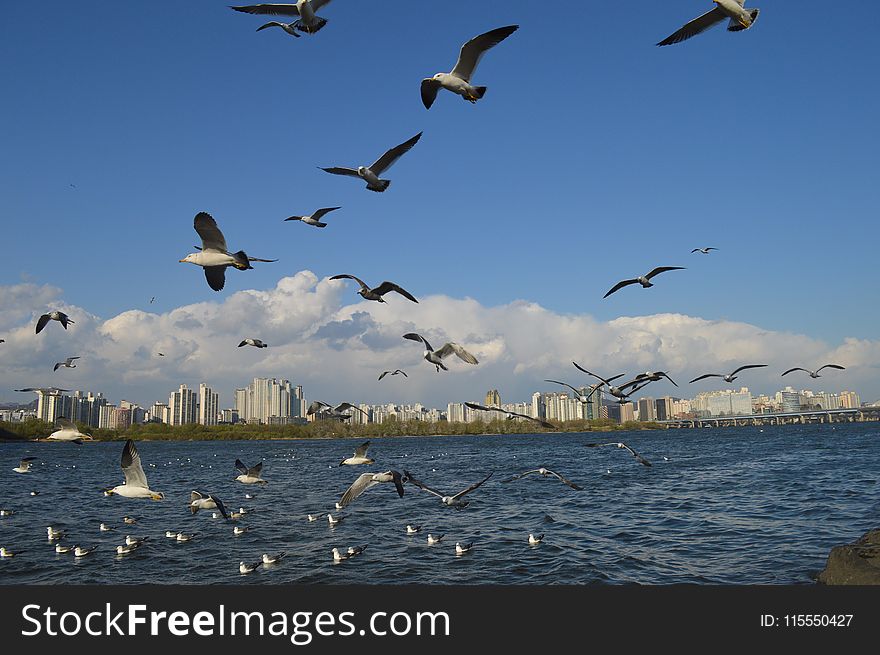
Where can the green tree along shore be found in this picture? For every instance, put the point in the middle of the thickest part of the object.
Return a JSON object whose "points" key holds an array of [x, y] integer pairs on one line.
{"points": [[36, 429]]}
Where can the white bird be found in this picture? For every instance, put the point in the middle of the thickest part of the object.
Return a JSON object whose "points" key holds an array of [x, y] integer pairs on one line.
{"points": [[54, 534], [435, 540], [128, 548], [367, 480], [182, 536], [546, 472], [213, 256], [67, 363], [134, 541], [106, 528], [371, 173], [338, 413], [315, 218], [307, 22], [533, 540], [171, 534], [620, 444], [248, 496], [67, 431], [449, 501], [376, 293], [249, 568], [333, 520], [237, 530], [61, 550], [135, 485], [359, 457], [459, 80], [512, 415], [338, 556], [129, 520], [61, 317], [253, 342], [729, 377], [705, 251], [815, 374], [740, 19], [356, 550], [24, 465], [312, 517], [79, 551], [6, 512], [4, 552], [249, 475], [644, 280], [290, 28], [413, 529], [273, 560], [461, 549], [198, 500], [436, 357], [396, 372]]}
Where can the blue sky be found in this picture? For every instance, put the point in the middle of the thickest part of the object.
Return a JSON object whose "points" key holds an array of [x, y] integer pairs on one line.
{"points": [[593, 157]]}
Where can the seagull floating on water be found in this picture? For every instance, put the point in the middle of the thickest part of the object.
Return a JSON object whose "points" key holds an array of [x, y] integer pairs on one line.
{"points": [[182, 536], [436, 357], [135, 485], [67, 363], [315, 219], [729, 377], [815, 374], [249, 568], [620, 444], [367, 480], [273, 560], [128, 548], [333, 520], [79, 551], [372, 172], [106, 528], [129, 520], [62, 550], [644, 280], [740, 19], [435, 540], [533, 540], [355, 550], [546, 472], [449, 501], [5, 552], [459, 79], [413, 529], [237, 530], [61, 317], [213, 256], [461, 549], [308, 21], [376, 293]]}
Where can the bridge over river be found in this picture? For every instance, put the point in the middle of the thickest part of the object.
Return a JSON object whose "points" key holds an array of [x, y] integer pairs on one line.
{"points": [[779, 418]]}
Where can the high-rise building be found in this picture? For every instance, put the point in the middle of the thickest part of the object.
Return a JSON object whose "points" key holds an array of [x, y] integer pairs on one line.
{"points": [[850, 400], [493, 398], [183, 406], [52, 406], [627, 412], [209, 405], [647, 409]]}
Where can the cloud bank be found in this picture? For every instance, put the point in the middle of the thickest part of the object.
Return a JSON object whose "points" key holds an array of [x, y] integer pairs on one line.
{"points": [[336, 348]]}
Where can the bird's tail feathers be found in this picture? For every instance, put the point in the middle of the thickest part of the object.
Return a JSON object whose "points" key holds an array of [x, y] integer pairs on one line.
{"points": [[311, 29], [480, 91], [241, 260], [735, 26], [320, 225], [383, 184]]}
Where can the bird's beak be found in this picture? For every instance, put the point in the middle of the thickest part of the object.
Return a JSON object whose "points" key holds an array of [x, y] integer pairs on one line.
{"points": [[182, 261]]}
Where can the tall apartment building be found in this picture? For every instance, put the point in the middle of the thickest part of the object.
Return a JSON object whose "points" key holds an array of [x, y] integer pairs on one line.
{"points": [[267, 400], [209, 405], [183, 406], [850, 400], [52, 406], [647, 409], [493, 398]]}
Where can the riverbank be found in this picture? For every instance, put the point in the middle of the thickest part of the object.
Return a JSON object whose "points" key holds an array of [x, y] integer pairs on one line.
{"points": [[39, 430], [854, 564]]}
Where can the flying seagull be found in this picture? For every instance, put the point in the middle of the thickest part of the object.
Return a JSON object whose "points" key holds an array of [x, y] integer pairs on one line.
{"points": [[436, 357], [652, 376], [740, 19], [336, 413], [359, 457], [249, 475], [815, 374], [24, 465], [213, 255], [67, 431], [376, 293], [545, 472], [135, 485], [617, 392], [620, 444], [397, 372], [51, 391], [367, 480], [449, 501], [511, 415], [307, 22], [67, 363], [315, 218], [705, 251], [198, 500], [458, 81], [644, 280], [580, 396], [371, 173], [61, 317], [730, 377], [253, 342]]}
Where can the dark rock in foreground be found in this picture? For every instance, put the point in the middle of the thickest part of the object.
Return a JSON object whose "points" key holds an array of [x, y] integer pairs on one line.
{"points": [[854, 564]]}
